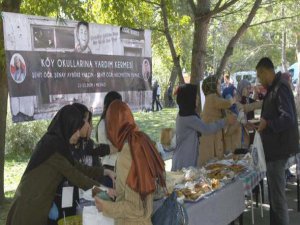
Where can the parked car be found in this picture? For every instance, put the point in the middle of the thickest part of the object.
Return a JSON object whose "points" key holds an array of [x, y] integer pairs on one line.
{"points": [[241, 75]]}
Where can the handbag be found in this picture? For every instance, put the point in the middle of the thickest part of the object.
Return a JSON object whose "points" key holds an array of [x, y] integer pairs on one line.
{"points": [[258, 155], [171, 212]]}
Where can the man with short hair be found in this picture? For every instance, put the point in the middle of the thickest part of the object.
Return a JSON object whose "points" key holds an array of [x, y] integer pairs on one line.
{"points": [[226, 82], [82, 34], [280, 136]]}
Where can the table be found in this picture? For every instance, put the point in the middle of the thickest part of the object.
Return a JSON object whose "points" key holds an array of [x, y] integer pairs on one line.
{"points": [[296, 160], [220, 208], [251, 179]]}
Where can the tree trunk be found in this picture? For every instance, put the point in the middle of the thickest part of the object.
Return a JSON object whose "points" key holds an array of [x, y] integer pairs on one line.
{"points": [[199, 49], [283, 43], [298, 85], [7, 6], [175, 57], [243, 28], [172, 81]]}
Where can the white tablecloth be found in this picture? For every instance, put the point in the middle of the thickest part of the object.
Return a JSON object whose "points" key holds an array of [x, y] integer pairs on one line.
{"points": [[219, 208]]}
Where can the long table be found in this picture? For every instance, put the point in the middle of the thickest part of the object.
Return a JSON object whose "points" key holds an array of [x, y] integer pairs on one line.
{"points": [[220, 208]]}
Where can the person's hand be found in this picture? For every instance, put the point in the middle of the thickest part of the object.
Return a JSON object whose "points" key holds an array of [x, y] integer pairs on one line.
{"points": [[262, 125], [112, 193], [250, 126], [99, 203], [230, 119], [95, 190]]}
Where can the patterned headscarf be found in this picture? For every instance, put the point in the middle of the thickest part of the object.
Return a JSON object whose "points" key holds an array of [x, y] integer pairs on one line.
{"points": [[210, 85]]}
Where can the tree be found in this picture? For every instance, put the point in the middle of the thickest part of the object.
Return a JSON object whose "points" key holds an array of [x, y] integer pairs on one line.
{"points": [[57, 8], [7, 6], [202, 14], [243, 28]]}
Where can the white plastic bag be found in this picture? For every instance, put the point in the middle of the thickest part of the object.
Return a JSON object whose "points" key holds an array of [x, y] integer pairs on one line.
{"points": [[258, 155], [91, 216]]}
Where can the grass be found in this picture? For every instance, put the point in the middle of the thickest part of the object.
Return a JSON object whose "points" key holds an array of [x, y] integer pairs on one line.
{"points": [[151, 123]]}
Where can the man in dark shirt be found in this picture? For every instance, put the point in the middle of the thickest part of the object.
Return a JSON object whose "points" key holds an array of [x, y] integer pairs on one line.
{"points": [[280, 136]]}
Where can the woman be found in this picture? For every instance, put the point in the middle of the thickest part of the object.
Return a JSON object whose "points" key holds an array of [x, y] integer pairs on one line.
{"points": [[101, 137], [188, 127], [212, 146], [88, 154], [51, 161], [233, 134], [139, 169], [247, 105]]}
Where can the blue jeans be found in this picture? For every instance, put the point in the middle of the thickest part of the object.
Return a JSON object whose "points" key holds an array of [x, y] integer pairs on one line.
{"points": [[276, 187]]}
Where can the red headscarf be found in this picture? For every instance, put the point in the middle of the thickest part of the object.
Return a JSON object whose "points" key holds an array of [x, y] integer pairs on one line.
{"points": [[147, 166]]}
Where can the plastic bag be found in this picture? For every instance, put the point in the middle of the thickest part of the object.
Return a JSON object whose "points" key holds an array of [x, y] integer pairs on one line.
{"points": [[91, 216], [53, 214], [258, 155], [171, 212]]}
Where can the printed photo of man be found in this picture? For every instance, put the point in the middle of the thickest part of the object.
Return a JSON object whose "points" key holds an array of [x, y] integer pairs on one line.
{"points": [[82, 35]]}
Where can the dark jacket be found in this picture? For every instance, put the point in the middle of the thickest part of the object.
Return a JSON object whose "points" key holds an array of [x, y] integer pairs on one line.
{"points": [[36, 191], [281, 136]]}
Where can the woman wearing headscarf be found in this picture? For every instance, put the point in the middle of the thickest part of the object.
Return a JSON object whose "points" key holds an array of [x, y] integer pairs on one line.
{"points": [[51, 161], [233, 134], [86, 153], [108, 161], [213, 146], [189, 126], [139, 169], [247, 105]]}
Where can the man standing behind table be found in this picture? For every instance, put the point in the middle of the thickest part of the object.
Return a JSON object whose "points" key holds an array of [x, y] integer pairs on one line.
{"points": [[280, 136]]}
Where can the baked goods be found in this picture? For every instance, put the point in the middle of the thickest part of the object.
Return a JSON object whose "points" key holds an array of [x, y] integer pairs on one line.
{"points": [[215, 166], [236, 168], [215, 184]]}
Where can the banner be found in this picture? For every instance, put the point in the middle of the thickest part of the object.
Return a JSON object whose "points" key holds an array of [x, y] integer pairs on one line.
{"points": [[51, 63]]}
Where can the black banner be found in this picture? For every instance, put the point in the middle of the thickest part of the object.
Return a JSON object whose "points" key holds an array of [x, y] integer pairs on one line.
{"points": [[71, 72]]}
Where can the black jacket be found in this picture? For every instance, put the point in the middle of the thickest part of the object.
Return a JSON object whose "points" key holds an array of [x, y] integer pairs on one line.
{"points": [[281, 136]]}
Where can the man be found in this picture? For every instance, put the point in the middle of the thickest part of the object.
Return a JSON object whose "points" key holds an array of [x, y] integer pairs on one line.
{"points": [[158, 105], [280, 136], [226, 82], [155, 96], [82, 34], [170, 95]]}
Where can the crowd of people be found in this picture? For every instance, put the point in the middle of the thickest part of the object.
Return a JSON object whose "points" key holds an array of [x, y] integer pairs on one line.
{"points": [[130, 163]]}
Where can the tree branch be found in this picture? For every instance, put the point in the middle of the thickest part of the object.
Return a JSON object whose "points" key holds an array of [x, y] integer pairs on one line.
{"points": [[218, 4], [243, 28], [175, 57], [151, 2], [218, 9], [274, 20], [193, 6]]}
